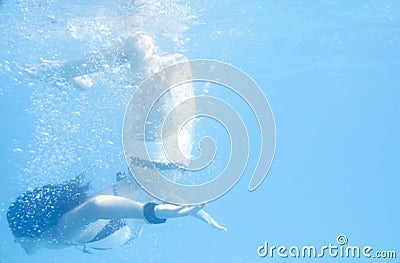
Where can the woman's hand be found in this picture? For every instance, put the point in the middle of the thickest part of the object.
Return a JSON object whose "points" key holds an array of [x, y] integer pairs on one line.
{"points": [[46, 69], [170, 211], [205, 217]]}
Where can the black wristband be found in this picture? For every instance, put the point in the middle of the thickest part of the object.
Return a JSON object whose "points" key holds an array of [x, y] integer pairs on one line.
{"points": [[148, 212]]}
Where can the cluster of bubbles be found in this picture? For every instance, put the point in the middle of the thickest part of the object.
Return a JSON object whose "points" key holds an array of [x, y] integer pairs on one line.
{"points": [[75, 130]]}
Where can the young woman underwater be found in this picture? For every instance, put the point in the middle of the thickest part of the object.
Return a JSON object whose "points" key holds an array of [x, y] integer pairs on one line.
{"points": [[63, 215]]}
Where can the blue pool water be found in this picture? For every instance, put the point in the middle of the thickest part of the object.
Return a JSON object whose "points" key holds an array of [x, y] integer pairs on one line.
{"points": [[329, 69]]}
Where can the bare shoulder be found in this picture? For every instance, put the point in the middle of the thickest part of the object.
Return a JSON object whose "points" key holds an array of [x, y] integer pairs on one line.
{"points": [[168, 60]]}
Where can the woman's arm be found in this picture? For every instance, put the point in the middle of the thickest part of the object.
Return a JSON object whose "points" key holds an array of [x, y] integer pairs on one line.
{"points": [[137, 49], [93, 62], [74, 222]]}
